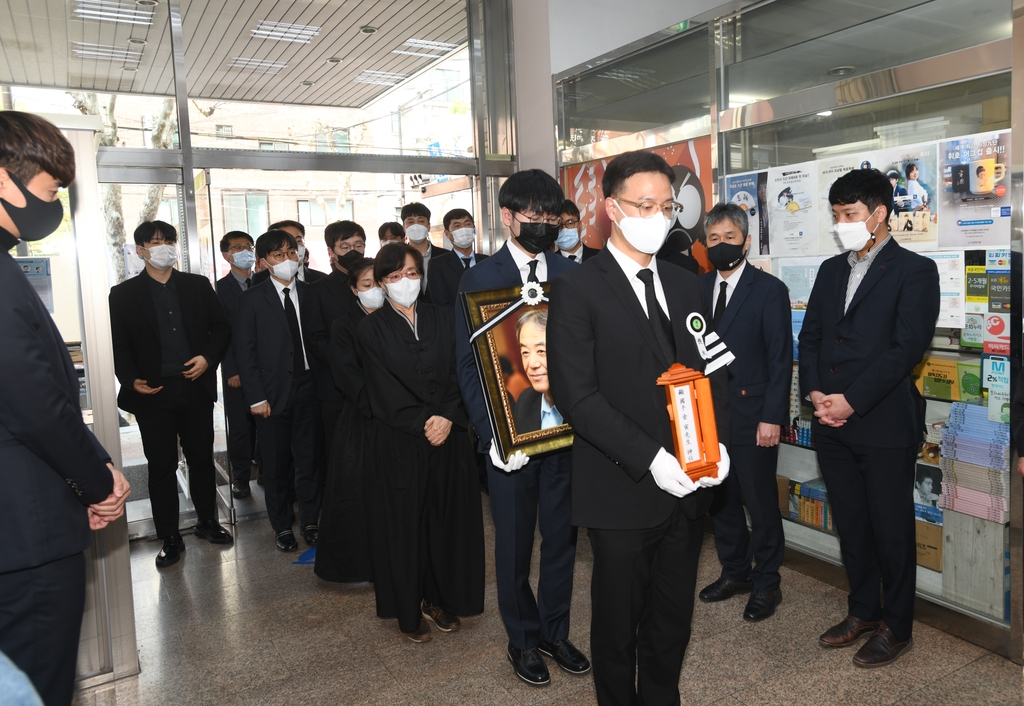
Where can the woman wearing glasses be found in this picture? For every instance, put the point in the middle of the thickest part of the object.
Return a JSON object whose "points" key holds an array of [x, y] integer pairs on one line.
{"points": [[426, 524]]}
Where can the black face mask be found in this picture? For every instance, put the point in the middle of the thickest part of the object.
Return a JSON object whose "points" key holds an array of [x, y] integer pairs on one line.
{"points": [[536, 237], [348, 259], [726, 256], [38, 218]]}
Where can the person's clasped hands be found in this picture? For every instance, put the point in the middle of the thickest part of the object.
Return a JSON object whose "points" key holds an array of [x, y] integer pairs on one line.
{"points": [[103, 513]]}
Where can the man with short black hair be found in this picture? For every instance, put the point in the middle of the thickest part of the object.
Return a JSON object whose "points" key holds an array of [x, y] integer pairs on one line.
{"points": [[416, 221], [297, 231], [460, 231], [390, 232], [570, 237]]}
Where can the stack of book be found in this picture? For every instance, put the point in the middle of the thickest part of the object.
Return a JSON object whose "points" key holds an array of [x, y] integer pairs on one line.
{"points": [[808, 503], [975, 462]]}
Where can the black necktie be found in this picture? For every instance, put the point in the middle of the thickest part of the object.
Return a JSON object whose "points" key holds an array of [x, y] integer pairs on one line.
{"points": [[299, 363], [659, 321], [465, 262], [532, 277], [573, 258], [248, 282], [719, 306]]}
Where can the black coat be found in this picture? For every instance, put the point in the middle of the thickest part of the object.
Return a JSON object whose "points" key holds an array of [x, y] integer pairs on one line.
{"points": [[228, 291], [346, 365], [51, 465], [136, 339], [603, 361], [327, 300], [445, 273], [868, 352], [527, 411]]}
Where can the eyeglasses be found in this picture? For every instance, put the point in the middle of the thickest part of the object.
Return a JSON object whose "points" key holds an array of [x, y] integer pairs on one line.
{"points": [[411, 273], [550, 220], [346, 246], [240, 248], [570, 223], [670, 209]]}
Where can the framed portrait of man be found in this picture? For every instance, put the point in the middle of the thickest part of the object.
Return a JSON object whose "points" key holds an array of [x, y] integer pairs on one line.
{"points": [[508, 334]]}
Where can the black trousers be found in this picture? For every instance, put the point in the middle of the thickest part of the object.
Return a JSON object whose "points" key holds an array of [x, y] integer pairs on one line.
{"points": [[329, 411], [751, 477], [182, 411], [642, 596], [542, 488], [871, 493], [286, 437], [241, 433], [40, 621]]}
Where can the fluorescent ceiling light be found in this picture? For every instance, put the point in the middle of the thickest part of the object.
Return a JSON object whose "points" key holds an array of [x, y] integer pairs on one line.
{"points": [[111, 11], [380, 78], [284, 32], [106, 52], [263, 66], [416, 53], [825, 113], [427, 44]]}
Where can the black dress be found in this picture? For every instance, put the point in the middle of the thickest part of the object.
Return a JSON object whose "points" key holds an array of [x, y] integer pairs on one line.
{"points": [[343, 547], [426, 523]]}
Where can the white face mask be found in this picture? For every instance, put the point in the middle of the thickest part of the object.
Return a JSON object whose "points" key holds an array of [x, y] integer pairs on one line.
{"points": [[567, 238], [404, 292], [645, 234], [854, 236], [372, 298], [417, 233], [285, 270], [163, 257], [300, 252], [464, 237]]}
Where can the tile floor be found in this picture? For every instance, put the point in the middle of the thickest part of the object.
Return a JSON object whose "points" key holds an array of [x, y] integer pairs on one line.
{"points": [[245, 625]]}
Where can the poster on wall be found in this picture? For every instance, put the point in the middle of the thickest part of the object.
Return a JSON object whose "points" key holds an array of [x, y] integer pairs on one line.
{"points": [[974, 191], [828, 171], [37, 272], [913, 173], [793, 209], [750, 192], [950, 264], [798, 274]]}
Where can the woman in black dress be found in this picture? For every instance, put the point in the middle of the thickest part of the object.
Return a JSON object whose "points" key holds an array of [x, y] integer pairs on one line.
{"points": [[343, 548], [426, 524]]}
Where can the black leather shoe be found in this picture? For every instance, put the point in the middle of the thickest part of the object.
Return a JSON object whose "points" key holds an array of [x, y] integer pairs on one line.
{"points": [[240, 489], [529, 666], [310, 533], [171, 552], [761, 605], [213, 533], [723, 589], [566, 656], [286, 541], [881, 649]]}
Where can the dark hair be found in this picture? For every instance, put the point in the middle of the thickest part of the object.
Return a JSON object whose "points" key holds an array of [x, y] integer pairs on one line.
{"points": [[980, 169], [356, 270], [532, 190], [415, 209], [146, 230], [728, 211], [909, 168], [391, 258], [454, 214], [273, 240], [893, 174], [393, 227], [225, 242], [628, 164], [569, 207], [30, 145], [288, 224], [342, 230], [869, 186]]}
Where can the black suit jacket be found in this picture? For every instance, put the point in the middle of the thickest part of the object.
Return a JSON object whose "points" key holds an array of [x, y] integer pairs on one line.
{"points": [[868, 352], [310, 275], [263, 345], [445, 274], [758, 329], [527, 411], [603, 363], [51, 466], [136, 339], [228, 291], [328, 300], [587, 253]]}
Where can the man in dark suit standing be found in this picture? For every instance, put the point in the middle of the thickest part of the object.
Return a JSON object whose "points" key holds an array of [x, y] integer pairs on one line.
{"points": [[57, 480], [304, 273], [520, 487], [616, 324], [460, 231], [570, 237], [416, 221], [750, 312], [169, 333], [236, 247], [870, 318], [278, 387]]}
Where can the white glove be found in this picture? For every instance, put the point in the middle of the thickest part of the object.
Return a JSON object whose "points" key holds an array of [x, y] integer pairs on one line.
{"points": [[517, 461], [723, 469], [669, 476]]}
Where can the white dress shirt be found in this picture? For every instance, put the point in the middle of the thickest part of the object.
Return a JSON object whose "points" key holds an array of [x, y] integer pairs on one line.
{"points": [[576, 255], [630, 267], [730, 286], [523, 260], [293, 294]]}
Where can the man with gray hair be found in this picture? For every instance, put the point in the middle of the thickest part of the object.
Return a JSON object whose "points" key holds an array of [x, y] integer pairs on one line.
{"points": [[750, 311], [535, 408]]}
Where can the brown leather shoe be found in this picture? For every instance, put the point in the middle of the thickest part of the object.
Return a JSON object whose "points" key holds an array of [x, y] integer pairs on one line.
{"points": [[847, 632], [420, 634], [883, 648], [445, 621]]}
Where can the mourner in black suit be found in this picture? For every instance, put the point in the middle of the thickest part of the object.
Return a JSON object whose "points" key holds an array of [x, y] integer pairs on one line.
{"points": [[570, 237], [749, 309], [616, 324], [870, 317], [304, 273], [523, 489], [169, 333], [416, 221], [56, 479], [236, 247], [446, 272], [278, 386]]}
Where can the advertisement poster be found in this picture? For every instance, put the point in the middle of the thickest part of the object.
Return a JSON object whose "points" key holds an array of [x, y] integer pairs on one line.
{"points": [[951, 287], [912, 171], [37, 271], [974, 192], [799, 273], [828, 171], [793, 208], [976, 299], [750, 192]]}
